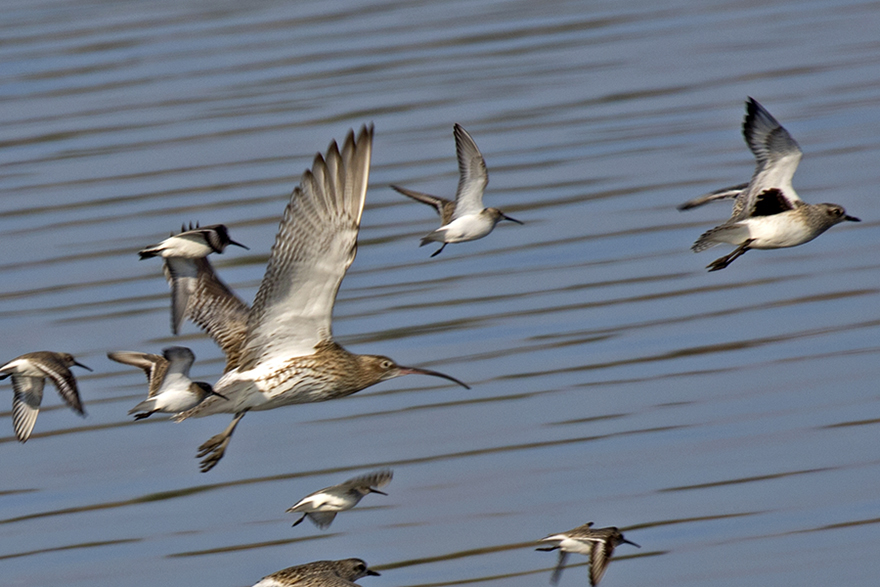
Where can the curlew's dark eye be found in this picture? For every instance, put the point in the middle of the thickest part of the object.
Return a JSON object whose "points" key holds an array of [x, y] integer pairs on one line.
{"points": [[386, 364]]}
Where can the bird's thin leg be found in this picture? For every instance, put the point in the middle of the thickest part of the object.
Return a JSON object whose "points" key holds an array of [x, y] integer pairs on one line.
{"points": [[438, 251], [726, 260], [214, 448]]}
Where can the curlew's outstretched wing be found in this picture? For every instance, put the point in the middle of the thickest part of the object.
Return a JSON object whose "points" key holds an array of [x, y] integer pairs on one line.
{"points": [[315, 245], [473, 177]]}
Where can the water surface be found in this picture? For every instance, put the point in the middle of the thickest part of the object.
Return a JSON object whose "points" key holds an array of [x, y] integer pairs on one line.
{"points": [[726, 421]]}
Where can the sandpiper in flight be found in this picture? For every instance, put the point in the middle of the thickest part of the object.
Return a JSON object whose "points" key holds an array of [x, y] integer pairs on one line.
{"points": [[322, 506], [465, 219], [29, 373], [171, 389], [767, 213], [597, 543], [181, 253], [341, 573], [286, 354]]}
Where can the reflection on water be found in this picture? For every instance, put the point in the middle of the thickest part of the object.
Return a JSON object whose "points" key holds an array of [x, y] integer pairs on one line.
{"points": [[715, 418]]}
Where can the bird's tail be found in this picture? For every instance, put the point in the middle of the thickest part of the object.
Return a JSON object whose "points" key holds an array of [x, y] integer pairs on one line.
{"points": [[733, 234]]}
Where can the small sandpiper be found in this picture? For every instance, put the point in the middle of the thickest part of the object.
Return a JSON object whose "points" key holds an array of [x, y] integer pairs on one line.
{"points": [[597, 543], [322, 506], [171, 389], [29, 373], [281, 351], [767, 212], [181, 252], [465, 219], [341, 573]]}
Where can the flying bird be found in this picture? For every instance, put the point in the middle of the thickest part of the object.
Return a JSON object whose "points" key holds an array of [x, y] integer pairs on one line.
{"points": [[597, 543], [322, 506], [341, 573], [171, 391], [465, 219], [767, 212], [281, 351], [181, 253], [29, 373]]}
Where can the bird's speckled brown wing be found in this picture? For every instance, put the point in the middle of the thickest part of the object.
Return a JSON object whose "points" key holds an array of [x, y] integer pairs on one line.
{"points": [[315, 245]]}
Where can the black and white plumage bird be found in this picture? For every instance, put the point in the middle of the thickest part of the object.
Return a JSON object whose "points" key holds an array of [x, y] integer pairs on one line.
{"points": [[767, 212], [597, 543], [322, 506], [465, 219], [171, 391], [181, 253], [29, 373]]}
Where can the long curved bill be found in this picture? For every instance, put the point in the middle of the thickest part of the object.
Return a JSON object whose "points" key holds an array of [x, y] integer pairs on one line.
{"points": [[852, 218], [629, 542], [232, 242], [506, 217], [377, 491], [83, 366], [417, 371]]}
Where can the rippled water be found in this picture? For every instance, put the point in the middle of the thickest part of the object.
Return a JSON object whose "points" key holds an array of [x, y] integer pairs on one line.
{"points": [[727, 422]]}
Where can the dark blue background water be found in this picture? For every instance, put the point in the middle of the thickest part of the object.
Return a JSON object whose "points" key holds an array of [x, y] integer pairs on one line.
{"points": [[727, 421]]}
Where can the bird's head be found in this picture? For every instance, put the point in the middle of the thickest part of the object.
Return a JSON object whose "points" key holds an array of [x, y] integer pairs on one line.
{"points": [[382, 369], [497, 216]]}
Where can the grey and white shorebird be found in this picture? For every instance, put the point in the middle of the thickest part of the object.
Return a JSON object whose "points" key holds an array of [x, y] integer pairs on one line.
{"points": [[767, 212], [322, 506], [29, 373], [465, 219], [281, 351], [341, 573], [597, 543], [181, 253], [171, 391]]}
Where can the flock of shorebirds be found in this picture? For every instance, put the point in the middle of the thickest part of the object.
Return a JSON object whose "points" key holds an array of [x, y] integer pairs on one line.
{"points": [[281, 350]]}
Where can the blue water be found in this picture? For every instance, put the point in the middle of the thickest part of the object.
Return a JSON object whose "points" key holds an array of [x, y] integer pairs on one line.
{"points": [[726, 421]]}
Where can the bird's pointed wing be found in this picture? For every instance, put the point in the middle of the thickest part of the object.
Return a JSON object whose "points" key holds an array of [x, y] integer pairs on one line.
{"points": [[28, 394], [442, 205], [560, 566], [322, 519], [65, 382], [180, 359], [600, 554], [732, 192], [473, 176], [155, 366], [374, 479], [182, 274], [218, 311], [315, 245], [777, 156]]}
